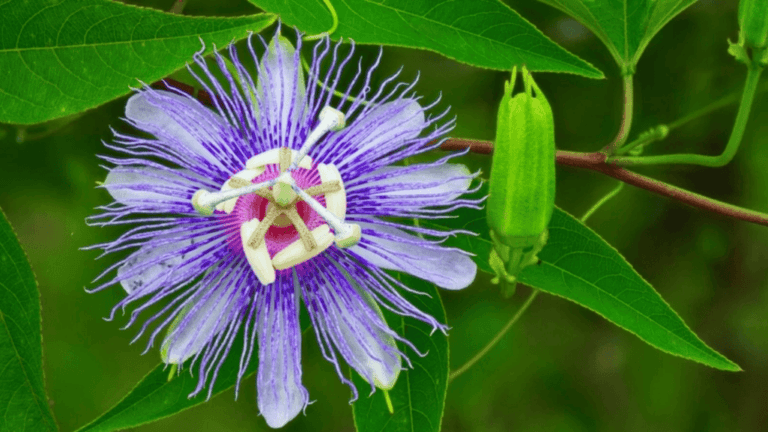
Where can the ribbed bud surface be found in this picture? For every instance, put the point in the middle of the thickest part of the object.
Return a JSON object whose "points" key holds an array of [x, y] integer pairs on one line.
{"points": [[522, 186], [522, 183], [753, 22]]}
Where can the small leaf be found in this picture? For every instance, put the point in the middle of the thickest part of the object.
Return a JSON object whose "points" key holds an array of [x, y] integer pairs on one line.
{"points": [[418, 397], [483, 33], [624, 26], [62, 57], [155, 397], [23, 403], [582, 267]]}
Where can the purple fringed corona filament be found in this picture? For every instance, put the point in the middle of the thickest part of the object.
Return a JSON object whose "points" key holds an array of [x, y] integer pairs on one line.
{"points": [[282, 193]]}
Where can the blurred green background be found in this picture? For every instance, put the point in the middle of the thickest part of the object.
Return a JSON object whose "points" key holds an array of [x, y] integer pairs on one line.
{"points": [[561, 368]]}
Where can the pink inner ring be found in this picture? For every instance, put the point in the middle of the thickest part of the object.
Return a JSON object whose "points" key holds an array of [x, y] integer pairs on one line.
{"points": [[253, 206]]}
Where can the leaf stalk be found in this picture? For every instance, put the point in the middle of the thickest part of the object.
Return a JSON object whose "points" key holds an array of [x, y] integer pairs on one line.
{"points": [[626, 117], [747, 97]]}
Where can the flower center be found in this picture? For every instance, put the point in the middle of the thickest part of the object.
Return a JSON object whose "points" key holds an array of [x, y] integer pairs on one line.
{"points": [[284, 206]]}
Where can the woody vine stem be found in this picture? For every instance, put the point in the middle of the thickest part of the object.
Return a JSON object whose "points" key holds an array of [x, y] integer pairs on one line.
{"points": [[597, 161]]}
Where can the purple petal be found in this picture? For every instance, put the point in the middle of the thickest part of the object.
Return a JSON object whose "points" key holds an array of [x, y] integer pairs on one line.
{"points": [[207, 314], [137, 184], [394, 249], [377, 132], [355, 324], [412, 186], [164, 260], [281, 396], [155, 111], [281, 92]]}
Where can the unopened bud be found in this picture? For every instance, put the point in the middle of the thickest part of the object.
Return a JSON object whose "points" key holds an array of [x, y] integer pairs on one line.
{"points": [[753, 22], [752, 47], [522, 183]]}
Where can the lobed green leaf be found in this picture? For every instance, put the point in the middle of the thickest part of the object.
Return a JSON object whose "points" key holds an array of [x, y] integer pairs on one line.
{"points": [[418, 397], [484, 33], [63, 57], [23, 403], [624, 26]]}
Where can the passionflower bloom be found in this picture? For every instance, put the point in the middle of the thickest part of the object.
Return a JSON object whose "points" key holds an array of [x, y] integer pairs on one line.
{"points": [[282, 193]]}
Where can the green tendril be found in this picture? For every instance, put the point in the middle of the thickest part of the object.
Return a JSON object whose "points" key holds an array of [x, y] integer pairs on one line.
{"points": [[615, 191], [496, 338], [333, 27]]}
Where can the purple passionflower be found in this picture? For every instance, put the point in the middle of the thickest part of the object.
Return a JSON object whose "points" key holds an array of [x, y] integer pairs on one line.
{"points": [[281, 193]]}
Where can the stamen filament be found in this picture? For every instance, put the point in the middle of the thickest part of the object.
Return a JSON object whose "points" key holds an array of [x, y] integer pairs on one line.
{"points": [[304, 234], [331, 119], [347, 235], [324, 188], [205, 202], [255, 240], [284, 158]]}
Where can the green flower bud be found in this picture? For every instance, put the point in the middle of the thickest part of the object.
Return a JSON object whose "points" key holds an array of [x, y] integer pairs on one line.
{"points": [[752, 47], [522, 183], [753, 22]]}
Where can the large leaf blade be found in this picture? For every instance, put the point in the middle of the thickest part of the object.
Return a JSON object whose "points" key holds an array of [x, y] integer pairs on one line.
{"points": [[484, 33], [63, 57], [23, 403], [418, 397], [577, 264], [624, 26], [155, 397]]}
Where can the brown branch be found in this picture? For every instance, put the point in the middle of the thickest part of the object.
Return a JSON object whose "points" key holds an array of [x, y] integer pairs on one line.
{"points": [[481, 147], [591, 161], [596, 162]]}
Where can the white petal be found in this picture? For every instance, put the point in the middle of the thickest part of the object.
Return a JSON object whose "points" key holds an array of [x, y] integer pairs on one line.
{"points": [[204, 323], [128, 187], [281, 396], [444, 267], [141, 110]]}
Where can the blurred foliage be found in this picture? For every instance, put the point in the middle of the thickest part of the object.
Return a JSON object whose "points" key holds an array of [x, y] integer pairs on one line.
{"points": [[562, 368]]}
